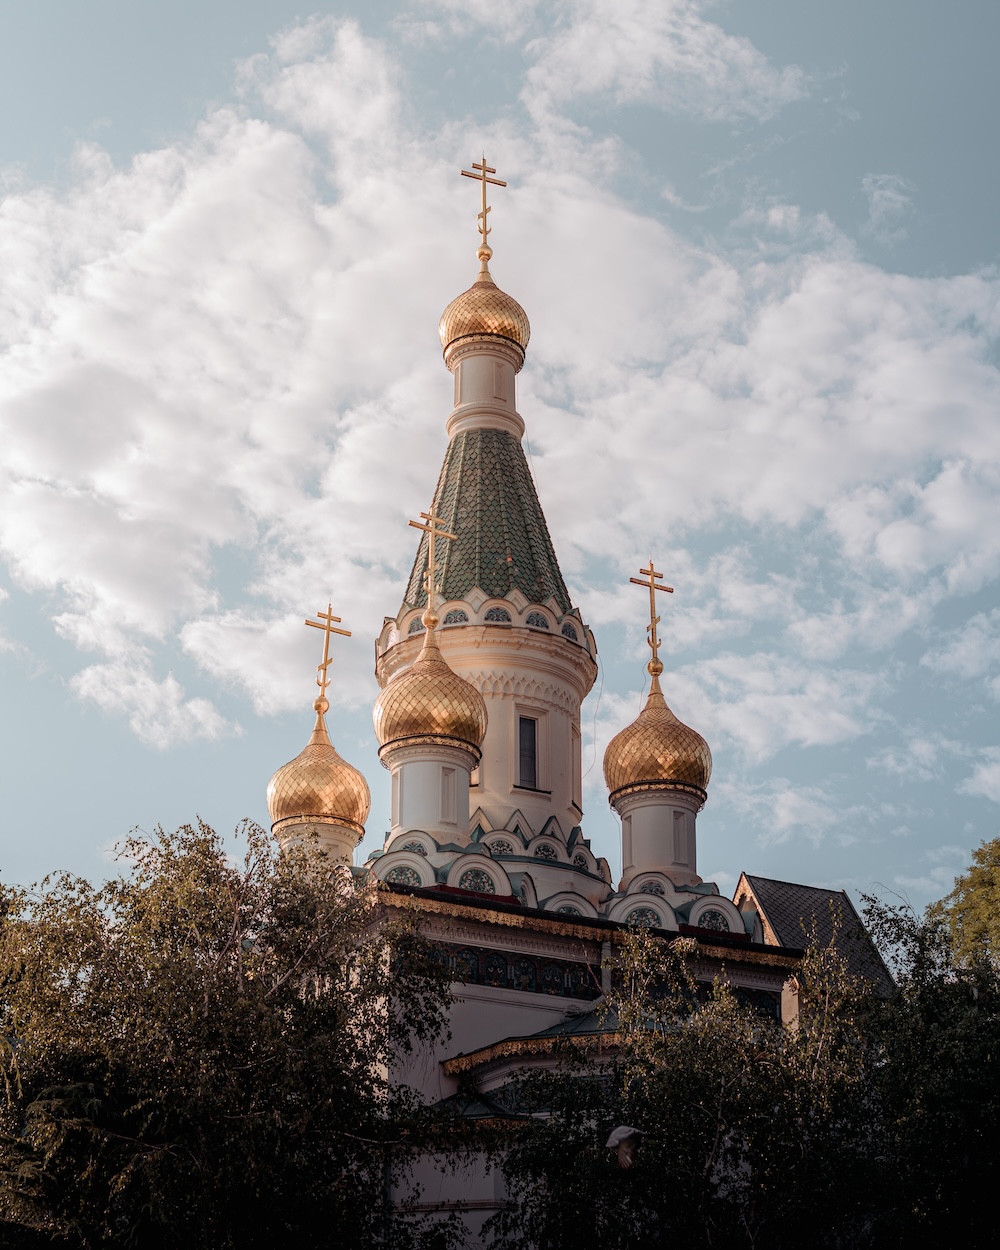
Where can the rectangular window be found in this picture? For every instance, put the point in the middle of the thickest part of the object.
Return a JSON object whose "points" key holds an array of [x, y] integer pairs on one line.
{"points": [[448, 796], [680, 839], [499, 382], [527, 735]]}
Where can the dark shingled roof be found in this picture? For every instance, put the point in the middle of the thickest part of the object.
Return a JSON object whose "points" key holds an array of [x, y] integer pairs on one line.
{"points": [[486, 496], [797, 912]]}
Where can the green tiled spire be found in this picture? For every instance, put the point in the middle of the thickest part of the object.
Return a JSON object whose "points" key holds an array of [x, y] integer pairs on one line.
{"points": [[486, 496]]}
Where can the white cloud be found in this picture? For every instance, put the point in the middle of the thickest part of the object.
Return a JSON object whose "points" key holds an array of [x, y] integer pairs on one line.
{"points": [[984, 780], [221, 396], [782, 810], [890, 203], [764, 702], [662, 52], [971, 650], [157, 711], [920, 759]]}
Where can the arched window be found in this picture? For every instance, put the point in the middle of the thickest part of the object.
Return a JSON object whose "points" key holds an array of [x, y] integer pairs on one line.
{"points": [[497, 616], [416, 626], [568, 631], [580, 861], [403, 874], [477, 880], [417, 848], [545, 852], [714, 919], [651, 887], [500, 846], [456, 617], [567, 909], [537, 620], [644, 916]]}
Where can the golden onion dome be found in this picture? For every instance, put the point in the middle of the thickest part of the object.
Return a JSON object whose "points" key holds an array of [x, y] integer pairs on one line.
{"points": [[485, 310], [430, 703], [318, 785], [657, 751]]}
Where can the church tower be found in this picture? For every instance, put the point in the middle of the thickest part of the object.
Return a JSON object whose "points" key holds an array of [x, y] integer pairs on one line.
{"points": [[507, 623]]}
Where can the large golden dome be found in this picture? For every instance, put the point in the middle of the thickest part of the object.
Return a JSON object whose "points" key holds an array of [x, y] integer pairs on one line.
{"points": [[485, 309], [429, 702], [318, 786], [657, 751]]}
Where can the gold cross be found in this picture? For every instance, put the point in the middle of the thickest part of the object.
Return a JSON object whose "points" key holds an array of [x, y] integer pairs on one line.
{"points": [[649, 578], [430, 525], [325, 623], [481, 177]]}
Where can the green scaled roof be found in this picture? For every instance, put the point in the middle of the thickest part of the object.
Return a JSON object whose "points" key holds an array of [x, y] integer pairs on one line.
{"points": [[486, 496]]}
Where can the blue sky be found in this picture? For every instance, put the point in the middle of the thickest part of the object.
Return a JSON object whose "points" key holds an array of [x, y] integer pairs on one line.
{"points": [[757, 244]]}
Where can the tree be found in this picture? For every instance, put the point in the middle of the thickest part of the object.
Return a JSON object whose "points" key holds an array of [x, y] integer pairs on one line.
{"points": [[194, 1053], [937, 1083], [972, 910], [755, 1134]]}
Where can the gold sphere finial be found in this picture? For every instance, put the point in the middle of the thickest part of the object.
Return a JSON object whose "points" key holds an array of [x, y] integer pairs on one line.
{"points": [[430, 619], [654, 667], [321, 705]]}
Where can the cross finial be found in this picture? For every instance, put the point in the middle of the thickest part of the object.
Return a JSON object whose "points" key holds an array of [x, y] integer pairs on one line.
{"points": [[650, 578], [485, 251], [430, 525], [325, 622]]}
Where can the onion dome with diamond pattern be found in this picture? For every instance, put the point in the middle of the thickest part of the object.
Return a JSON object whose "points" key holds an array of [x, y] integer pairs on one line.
{"points": [[484, 311], [318, 786], [430, 703], [657, 752]]}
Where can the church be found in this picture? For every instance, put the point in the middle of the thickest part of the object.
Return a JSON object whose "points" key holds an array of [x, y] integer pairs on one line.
{"points": [[482, 672]]}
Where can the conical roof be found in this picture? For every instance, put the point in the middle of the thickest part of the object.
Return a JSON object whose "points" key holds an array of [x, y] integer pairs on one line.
{"points": [[486, 496]]}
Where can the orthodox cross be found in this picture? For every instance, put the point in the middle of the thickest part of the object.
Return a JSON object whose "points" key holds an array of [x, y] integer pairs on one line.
{"points": [[650, 578], [429, 525], [482, 178], [325, 623]]}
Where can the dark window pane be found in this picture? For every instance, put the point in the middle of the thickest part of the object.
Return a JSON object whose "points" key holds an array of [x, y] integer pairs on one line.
{"points": [[528, 742]]}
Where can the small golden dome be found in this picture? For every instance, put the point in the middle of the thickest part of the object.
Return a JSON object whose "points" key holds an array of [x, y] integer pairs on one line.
{"points": [[485, 309], [429, 702], [319, 786], [657, 751]]}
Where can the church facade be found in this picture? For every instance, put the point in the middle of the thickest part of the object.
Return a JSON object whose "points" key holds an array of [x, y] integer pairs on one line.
{"points": [[483, 670]]}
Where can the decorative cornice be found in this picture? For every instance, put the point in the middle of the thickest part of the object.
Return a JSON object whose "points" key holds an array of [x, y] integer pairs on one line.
{"points": [[525, 1047]]}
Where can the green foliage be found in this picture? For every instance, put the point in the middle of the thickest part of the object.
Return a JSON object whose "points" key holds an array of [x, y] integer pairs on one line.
{"points": [[741, 1117], [972, 910], [869, 1124], [937, 1084], [193, 1054]]}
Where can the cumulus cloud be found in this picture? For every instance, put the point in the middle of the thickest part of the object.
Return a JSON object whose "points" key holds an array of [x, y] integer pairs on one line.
{"points": [[221, 395], [984, 780], [662, 52], [158, 712], [969, 651], [763, 702]]}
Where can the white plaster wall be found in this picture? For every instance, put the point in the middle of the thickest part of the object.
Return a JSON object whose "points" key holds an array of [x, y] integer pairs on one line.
{"points": [[430, 790], [337, 840], [659, 834]]}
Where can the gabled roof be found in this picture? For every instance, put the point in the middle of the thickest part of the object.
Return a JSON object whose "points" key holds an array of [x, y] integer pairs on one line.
{"points": [[796, 915], [486, 496]]}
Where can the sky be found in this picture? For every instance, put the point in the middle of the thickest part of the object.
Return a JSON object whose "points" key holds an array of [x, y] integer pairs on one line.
{"points": [[757, 245]]}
